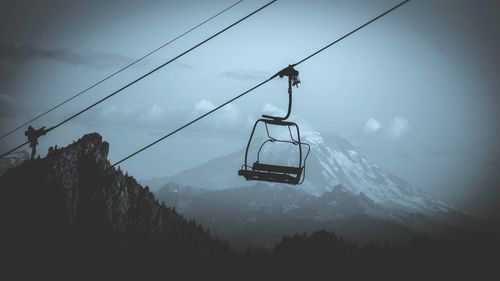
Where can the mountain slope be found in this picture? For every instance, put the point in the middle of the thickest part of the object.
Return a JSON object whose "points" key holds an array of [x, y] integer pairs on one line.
{"points": [[72, 206], [332, 161], [260, 215], [13, 160]]}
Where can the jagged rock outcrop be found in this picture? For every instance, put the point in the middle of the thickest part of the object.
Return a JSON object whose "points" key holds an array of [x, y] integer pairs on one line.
{"points": [[72, 203]]}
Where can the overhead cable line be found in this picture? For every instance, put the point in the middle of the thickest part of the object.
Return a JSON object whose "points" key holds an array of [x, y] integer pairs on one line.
{"points": [[258, 85], [194, 121], [117, 72], [152, 71], [350, 33]]}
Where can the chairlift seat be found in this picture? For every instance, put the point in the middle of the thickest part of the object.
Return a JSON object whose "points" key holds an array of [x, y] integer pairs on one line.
{"points": [[272, 173], [276, 121]]}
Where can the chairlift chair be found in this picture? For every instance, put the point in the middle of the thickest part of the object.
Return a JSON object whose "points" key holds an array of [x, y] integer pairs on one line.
{"points": [[278, 173]]}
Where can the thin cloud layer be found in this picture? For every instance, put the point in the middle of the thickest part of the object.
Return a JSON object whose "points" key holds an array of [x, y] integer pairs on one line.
{"points": [[26, 52], [4, 98], [398, 127], [204, 106], [371, 126], [228, 118], [246, 75]]}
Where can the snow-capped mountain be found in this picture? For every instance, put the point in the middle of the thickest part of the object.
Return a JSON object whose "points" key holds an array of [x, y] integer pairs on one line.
{"points": [[13, 160], [332, 161]]}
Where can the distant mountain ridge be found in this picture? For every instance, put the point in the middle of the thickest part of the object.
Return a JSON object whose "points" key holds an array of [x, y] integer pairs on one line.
{"points": [[332, 161], [13, 160], [259, 215]]}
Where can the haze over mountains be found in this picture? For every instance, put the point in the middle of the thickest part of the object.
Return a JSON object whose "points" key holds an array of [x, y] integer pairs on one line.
{"points": [[343, 191], [332, 161]]}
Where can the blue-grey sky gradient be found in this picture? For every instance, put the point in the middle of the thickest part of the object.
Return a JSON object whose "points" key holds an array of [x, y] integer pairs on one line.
{"points": [[416, 92]]}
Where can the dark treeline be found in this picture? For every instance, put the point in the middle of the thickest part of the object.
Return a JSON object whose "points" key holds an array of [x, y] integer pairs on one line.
{"points": [[323, 252]]}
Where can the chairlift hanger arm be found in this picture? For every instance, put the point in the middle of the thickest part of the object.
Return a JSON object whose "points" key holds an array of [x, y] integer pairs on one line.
{"points": [[293, 80]]}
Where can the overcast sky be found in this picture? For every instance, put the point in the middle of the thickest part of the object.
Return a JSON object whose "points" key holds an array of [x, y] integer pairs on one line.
{"points": [[416, 92]]}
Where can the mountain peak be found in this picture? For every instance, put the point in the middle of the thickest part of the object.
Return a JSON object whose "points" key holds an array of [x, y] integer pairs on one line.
{"points": [[75, 195], [312, 137], [88, 145], [332, 161]]}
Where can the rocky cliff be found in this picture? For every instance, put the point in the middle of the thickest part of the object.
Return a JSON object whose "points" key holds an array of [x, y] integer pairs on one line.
{"points": [[73, 205]]}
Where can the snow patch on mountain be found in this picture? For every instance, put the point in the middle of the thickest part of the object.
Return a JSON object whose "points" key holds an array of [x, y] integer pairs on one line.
{"points": [[332, 161]]}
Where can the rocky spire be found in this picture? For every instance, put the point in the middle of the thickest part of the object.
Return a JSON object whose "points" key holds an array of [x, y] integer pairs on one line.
{"points": [[73, 199]]}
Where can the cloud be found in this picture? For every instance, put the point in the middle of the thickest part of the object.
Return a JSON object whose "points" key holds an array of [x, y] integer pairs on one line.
{"points": [[155, 110], [4, 98], [273, 110], [230, 118], [204, 106], [153, 116], [399, 126], [227, 118], [246, 75], [306, 128], [25, 52], [371, 126]]}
